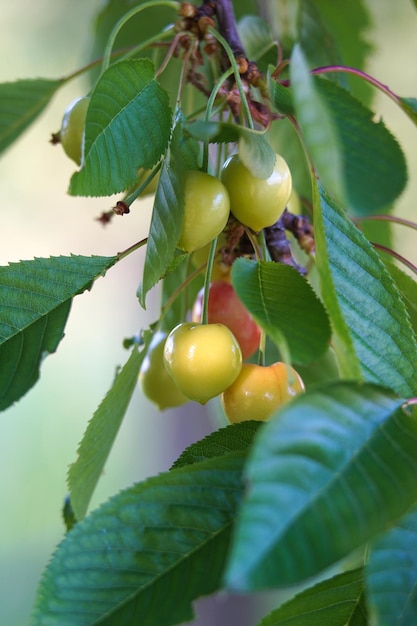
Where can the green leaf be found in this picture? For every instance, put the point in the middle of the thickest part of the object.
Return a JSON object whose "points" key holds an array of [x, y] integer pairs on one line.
{"points": [[229, 439], [409, 106], [363, 302], [21, 102], [277, 296], [391, 574], [35, 299], [257, 40], [254, 148], [168, 209], [319, 132], [84, 473], [337, 601], [68, 514], [318, 44], [127, 127], [408, 290], [324, 369], [352, 32], [281, 96], [147, 553], [364, 141], [336, 466], [256, 154], [137, 29]]}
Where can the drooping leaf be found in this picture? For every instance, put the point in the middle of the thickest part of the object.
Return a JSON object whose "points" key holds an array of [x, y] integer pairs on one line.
{"points": [[391, 574], [35, 299], [148, 552], [229, 439], [318, 129], [277, 297], [21, 102], [337, 601], [127, 127], [369, 318], [94, 449], [254, 148], [336, 466], [370, 189], [168, 208]]}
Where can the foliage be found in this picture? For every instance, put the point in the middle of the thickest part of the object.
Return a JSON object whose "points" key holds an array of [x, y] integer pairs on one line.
{"points": [[330, 479]]}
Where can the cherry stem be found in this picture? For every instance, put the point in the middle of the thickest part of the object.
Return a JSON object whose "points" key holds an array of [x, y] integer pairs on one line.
{"points": [[351, 70], [207, 280], [177, 292], [142, 186], [125, 18], [130, 249], [397, 256], [235, 68], [168, 56], [209, 110], [388, 218]]}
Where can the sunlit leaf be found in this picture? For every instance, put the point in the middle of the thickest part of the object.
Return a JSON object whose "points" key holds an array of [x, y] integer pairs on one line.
{"points": [[127, 127], [84, 473], [35, 299], [147, 553], [277, 297], [20, 104], [336, 467]]}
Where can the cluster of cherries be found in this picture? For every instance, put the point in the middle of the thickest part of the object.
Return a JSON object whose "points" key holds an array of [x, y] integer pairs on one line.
{"points": [[197, 361]]}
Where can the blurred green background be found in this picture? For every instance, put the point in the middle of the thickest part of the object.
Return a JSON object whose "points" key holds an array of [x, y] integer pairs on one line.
{"points": [[40, 434]]}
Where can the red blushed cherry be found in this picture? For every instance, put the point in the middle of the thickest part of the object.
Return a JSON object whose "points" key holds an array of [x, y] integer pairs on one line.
{"points": [[224, 307]]}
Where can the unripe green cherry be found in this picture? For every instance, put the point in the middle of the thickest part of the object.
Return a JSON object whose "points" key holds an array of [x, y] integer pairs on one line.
{"points": [[257, 202], [203, 359], [206, 210], [154, 379], [72, 128]]}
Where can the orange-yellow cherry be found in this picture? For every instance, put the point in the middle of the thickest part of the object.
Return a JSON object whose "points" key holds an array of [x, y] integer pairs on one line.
{"points": [[259, 391]]}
